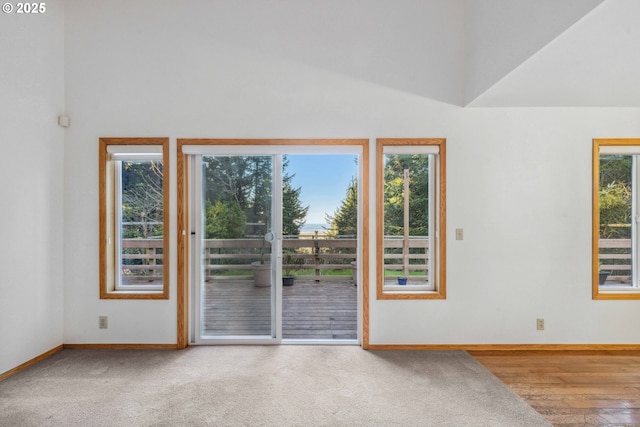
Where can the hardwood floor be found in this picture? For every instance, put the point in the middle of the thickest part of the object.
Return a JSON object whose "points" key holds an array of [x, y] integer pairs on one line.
{"points": [[573, 388]]}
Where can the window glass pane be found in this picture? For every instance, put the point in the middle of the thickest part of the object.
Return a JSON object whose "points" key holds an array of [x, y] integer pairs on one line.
{"points": [[411, 220], [141, 222], [406, 220], [615, 228]]}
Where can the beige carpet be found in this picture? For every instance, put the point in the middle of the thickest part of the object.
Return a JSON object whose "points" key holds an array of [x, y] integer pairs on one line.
{"points": [[261, 386]]}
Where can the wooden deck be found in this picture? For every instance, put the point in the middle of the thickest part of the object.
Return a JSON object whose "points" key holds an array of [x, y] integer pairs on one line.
{"points": [[310, 310]]}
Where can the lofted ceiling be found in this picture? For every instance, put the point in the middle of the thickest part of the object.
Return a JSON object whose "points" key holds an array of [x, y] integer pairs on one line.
{"points": [[472, 53], [592, 62]]}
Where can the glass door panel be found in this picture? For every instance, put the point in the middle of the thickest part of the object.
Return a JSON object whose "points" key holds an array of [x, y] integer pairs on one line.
{"points": [[237, 242], [320, 247], [243, 199]]}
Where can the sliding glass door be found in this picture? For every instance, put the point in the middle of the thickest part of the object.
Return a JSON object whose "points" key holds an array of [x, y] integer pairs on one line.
{"points": [[236, 234], [258, 213]]}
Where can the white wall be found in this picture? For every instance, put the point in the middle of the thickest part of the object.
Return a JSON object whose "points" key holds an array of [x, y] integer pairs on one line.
{"points": [[31, 171], [519, 183], [518, 179]]}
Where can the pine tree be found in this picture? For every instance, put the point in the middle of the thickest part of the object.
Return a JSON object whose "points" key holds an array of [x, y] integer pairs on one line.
{"points": [[345, 219], [293, 213]]}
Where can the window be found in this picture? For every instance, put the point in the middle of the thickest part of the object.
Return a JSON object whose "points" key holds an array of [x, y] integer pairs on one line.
{"points": [[616, 211], [411, 218], [134, 235]]}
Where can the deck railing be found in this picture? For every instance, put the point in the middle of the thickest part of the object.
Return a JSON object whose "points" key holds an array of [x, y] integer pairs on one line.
{"points": [[615, 257], [313, 258], [417, 259], [307, 259], [317, 258], [142, 260]]}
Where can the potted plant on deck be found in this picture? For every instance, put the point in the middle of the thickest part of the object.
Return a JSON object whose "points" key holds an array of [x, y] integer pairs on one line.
{"points": [[602, 274], [261, 274], [261, 269], [290, 264]]}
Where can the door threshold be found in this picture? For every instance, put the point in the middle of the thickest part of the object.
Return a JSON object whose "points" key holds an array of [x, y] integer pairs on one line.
{"points": [[318, 342]]}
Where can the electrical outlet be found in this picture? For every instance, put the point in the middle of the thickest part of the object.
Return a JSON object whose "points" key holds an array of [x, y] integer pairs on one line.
{"points": [[103, 322], [540, 324], [459, 234]]}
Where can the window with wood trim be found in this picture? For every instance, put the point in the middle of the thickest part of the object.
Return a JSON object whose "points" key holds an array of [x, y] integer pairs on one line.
{"points": [[616, 211], [410, 227], [134, 206]]}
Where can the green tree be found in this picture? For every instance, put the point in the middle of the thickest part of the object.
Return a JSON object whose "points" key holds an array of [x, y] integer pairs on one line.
{"points": [[142, 198], [344, 221], [418, 166], [243, 180], [614, 196], [259, 190], [615, 168], [246, 181], [225, 220], [293, 213]]}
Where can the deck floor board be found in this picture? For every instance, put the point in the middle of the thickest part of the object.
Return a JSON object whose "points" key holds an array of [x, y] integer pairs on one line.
{"points": [[310, 310]]}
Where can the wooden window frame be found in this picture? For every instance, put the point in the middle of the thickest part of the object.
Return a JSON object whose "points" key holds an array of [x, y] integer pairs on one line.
{"points": [[107, 217], [597, 293], [439, 291]]}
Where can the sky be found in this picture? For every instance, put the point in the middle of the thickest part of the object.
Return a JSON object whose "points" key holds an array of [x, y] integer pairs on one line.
{"points": [[324, 179]]}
